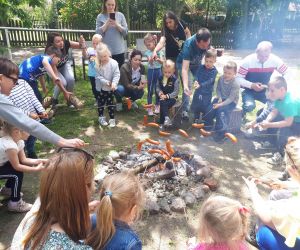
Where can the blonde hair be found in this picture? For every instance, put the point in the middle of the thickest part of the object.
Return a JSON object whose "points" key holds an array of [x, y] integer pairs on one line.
{"points": [[150, 37], [231, 65], [100, 50], [292, 152], [211, 53], [278, 82], [6, 128], [97, 36], [169, 64], [223, 220], [64, 194], [118, 195]]}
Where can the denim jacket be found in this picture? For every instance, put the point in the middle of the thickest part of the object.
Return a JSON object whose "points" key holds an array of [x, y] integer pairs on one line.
{"points": [[123, 239]]}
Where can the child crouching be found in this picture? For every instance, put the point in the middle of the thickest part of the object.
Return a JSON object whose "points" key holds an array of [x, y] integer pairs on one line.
{"points": [[167, 90], [121, 201], [107, 79]]}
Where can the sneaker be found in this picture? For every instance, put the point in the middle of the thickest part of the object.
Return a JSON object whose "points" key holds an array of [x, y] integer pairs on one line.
{"points": [[157, 109], [185, 115], [150, 112], [167, 122], [276, 159], [73, 100], [112, 123], [119, 107], [102, 121], [19, 206], [267, 145], [134, 105], [5, 191]]}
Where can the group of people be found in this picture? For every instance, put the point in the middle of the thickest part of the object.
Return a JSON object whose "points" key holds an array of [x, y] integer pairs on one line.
{"points": [[187, 59]]}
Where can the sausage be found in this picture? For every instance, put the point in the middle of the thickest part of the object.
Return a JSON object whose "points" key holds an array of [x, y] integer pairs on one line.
{"points": [[145, 121], [128, 102], [147, 106], [231, 137], [169, 147], [139, 146], [152, 141], [166, 154], [183, 133], [204, 132], [152, 124], [154, 151], [176, 159], [162, 133], [198, 125]]}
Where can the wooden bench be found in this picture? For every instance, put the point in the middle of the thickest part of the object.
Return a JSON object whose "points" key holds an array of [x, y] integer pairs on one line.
{"points": [[235, 120]]}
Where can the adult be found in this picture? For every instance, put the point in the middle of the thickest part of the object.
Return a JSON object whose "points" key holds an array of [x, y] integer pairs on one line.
{"points": [[65, 72], [9, 72], [173, 35], [112, 25], [61, 217], [131, 83], [255, 73], [280, 219], [189, 61]]}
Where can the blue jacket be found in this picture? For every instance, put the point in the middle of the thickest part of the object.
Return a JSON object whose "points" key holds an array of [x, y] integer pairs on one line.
{"points": [[123, 239], [206, 78]]}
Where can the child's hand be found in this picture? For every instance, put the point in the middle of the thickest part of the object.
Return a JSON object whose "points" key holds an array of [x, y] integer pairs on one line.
{"points": [[163, 97], [151, 60], [278, 185], [216, 105], [43, 115], [250, 124], [40, 167], [113, 87], [33, 116], [93, 205], [196, 85], [250, 182], [265, 124]]}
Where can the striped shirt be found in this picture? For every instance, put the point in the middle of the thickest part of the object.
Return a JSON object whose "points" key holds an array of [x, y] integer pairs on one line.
{"points": [[23, 97], [252, 70]]}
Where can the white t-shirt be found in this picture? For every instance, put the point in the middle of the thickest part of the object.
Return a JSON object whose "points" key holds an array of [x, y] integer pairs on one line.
{"points": [[6, 142]]}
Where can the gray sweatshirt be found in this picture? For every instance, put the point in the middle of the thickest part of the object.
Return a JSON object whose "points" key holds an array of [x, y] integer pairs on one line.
{"points": [[112, 37], [228, 91], [15, 116]]}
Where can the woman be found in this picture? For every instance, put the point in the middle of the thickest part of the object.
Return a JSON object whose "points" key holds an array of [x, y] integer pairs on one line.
{"points": [[62, 218], [65, 72], [112, 25], [173, 35], [132, 80], [280, 219]]}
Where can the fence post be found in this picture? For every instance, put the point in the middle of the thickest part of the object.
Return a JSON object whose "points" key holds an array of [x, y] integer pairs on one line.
{"points": [[8, 44]]}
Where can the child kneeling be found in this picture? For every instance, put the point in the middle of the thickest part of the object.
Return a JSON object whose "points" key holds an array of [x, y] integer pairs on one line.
{"points": [[223, 225], [167, 90], [13, 164], [107, 79]]}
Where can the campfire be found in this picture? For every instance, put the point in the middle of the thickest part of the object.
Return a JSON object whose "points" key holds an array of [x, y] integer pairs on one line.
{"points": [[171, 182]]}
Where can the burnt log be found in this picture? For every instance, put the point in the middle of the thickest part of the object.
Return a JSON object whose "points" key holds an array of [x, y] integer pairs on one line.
{"points": [[143, 166]]}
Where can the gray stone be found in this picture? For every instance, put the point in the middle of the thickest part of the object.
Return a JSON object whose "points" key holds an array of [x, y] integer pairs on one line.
{"points": [[164, 206], [189, 199], [108, 159], [114, 154], [204, 172], [132, 157], [163, 174], [100, 176], [185, 181], [198, 192], [178, 205], [160, 194], [198, 162], [152, 207], [123, 154]]}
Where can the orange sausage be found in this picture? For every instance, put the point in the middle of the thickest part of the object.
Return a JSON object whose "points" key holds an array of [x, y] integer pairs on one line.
{"points": [[162, 133], [152, 141], [198, 125], [139, 146], [231, 137], [152, 124], [128, 102], [145, 121], [204, 132], [183, 133], [176, 159], [154, 151], [147, 106], [169, 147], [166, 154]]}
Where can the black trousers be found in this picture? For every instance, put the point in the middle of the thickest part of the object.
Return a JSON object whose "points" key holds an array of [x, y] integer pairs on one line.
{"points": [[106, 98]]}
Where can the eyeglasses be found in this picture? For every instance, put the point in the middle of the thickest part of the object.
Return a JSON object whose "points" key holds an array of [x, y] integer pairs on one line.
{"points": [[15, 80], [291, 160], [89, 157]]}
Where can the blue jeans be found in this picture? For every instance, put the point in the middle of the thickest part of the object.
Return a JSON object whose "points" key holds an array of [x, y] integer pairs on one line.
{"points": [[249, 96], [153, 75], [165, 105], [35, 88], [93, 84], [269, 239], [132, 94], [200, 103]]}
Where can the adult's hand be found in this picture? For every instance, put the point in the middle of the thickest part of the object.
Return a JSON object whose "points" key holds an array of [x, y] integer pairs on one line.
{"points": [[71, 143], [187, 91], [250, 182], [256, 86]]}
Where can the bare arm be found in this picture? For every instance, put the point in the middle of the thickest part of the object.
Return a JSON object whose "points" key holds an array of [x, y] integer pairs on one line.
{"points": [[160, 45], [43, 84], [185, 76], [187, 33], [28, 161]]}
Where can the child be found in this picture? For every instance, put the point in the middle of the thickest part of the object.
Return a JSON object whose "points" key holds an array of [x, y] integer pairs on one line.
{"points": [[227, 98], [204, 85], [167, 90], [154, 70], [121, 201], [107, 79], [223, 225], [13, 163], [289, 108], [90, 53], [22, 96]]}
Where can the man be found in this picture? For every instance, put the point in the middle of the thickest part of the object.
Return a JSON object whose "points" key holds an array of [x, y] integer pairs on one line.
{"points": [[188, 62], [255, 73]]}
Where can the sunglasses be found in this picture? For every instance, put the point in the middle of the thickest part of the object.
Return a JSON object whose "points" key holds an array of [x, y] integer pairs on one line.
{"points": [[291, 160], [89, 157], [15, 80]]}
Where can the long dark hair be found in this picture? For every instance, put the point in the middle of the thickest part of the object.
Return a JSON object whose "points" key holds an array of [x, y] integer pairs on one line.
{"points": [[171, 15], [50, 40], [104, 10], [7, 67], [135, 52]]}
